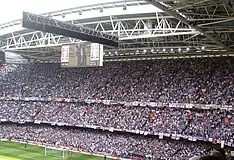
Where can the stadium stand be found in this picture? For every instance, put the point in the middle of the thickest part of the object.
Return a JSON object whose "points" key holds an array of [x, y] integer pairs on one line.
{"points": [[102, 142], [29, 92], [216, 124], [202, 81]]}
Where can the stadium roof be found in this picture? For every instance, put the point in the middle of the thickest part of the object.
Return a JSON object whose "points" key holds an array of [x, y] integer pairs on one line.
{"points": [[12, 9], [145, 28]]}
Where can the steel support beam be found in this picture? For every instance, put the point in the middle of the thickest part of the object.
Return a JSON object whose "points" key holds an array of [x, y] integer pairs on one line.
{"points": [[184, 20], [130, 29], [216, 22], [47, 24]]}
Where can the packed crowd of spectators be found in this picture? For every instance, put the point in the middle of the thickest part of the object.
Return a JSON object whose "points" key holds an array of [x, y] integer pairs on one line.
{"points": [[204, 81], [5, 69], [9, 109], [216, 124], [105, 143], [13, 82]]}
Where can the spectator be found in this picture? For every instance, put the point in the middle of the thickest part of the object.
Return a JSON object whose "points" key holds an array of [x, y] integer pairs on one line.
{"points": [[104, 143]]}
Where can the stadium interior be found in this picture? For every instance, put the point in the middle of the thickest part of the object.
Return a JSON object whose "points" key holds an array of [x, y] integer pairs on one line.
{"points": [[130, 80]]}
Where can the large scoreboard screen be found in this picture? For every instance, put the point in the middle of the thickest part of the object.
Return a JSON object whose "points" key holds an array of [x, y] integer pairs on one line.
{"points": [[82, 55]]}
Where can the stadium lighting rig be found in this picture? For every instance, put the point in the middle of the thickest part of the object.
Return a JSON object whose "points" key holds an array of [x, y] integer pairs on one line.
{"points": [[46, 24]]}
